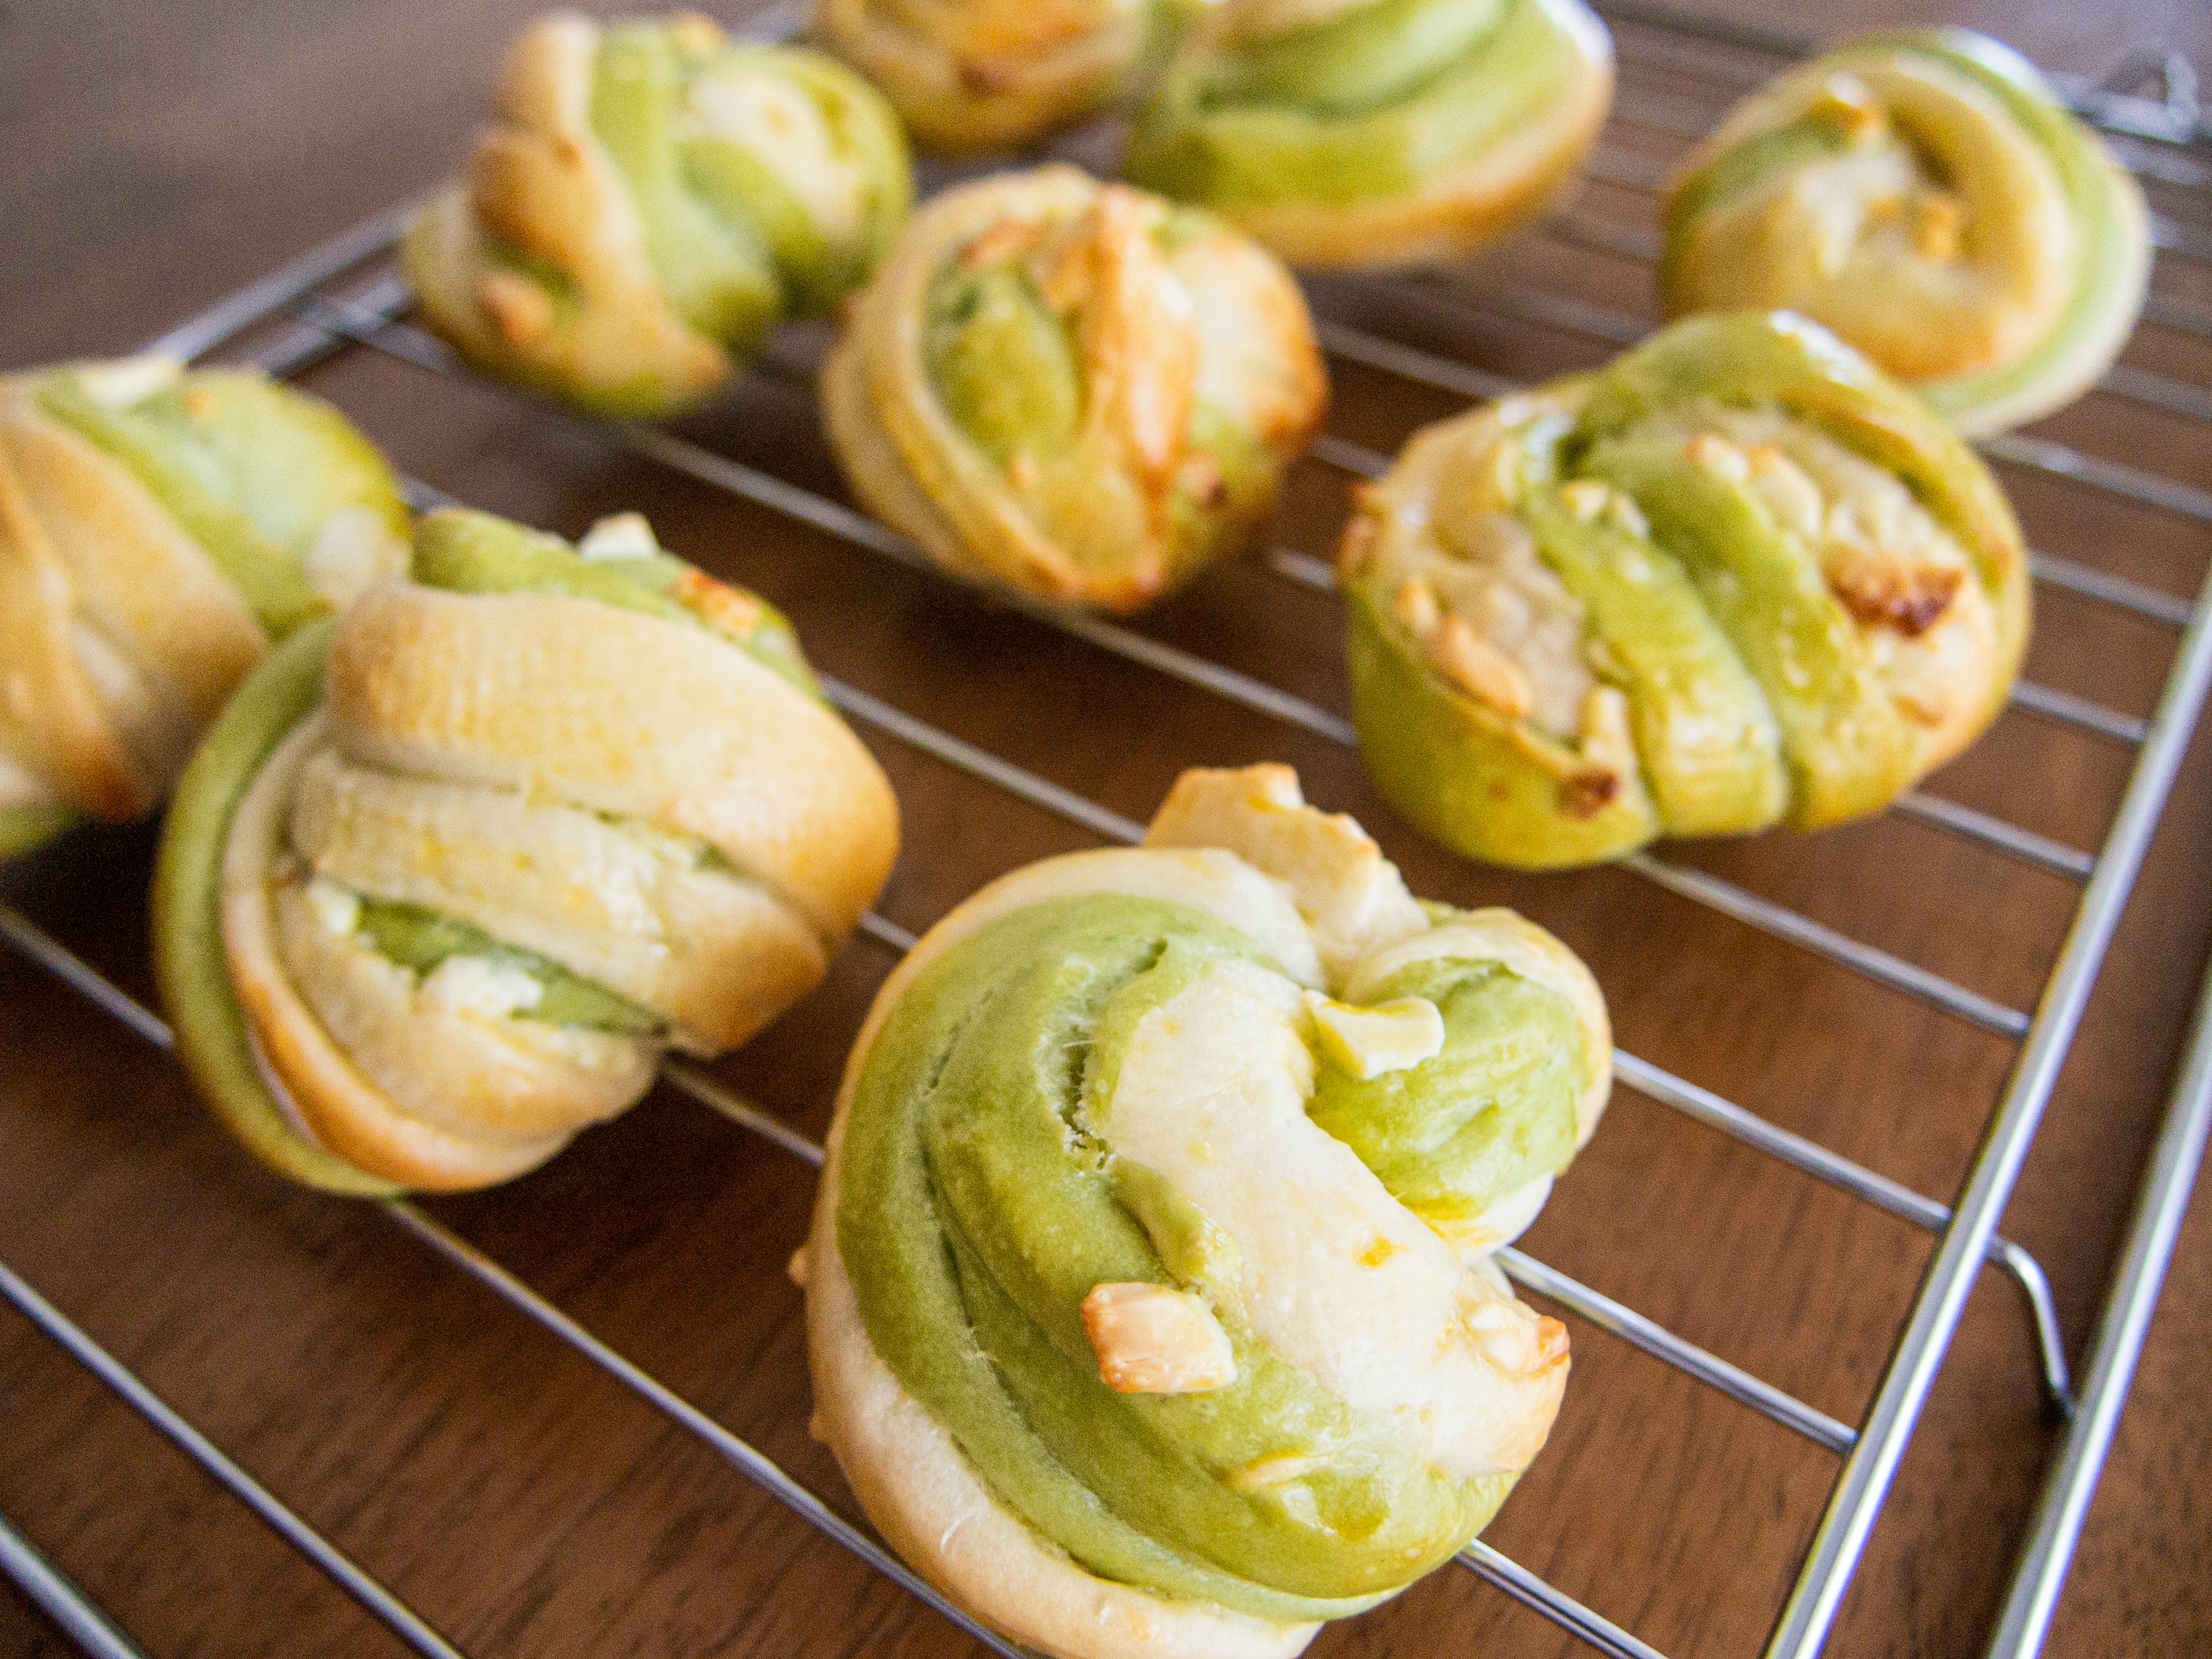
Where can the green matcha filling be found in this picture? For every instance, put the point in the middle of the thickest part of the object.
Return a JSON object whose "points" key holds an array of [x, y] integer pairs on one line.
{"points": [[419, 940], [1007, 367], [1492, 1113], [465, 552], [978, 1207]]}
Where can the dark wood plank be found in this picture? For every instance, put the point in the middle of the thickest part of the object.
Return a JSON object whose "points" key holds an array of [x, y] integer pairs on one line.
{"points": [[158, 156]]}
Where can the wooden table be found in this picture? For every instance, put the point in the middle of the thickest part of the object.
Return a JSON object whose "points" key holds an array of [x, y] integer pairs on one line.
{"points": [[158, 156]]}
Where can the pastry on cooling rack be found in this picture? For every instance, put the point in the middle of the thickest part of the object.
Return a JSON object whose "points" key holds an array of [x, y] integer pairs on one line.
{"points": [[1736, 578], [451, 871], [647, 199], [980, 75], [158, 528], [1074, 388], [1147, 1300], [1925, 195], [1376, 132]]}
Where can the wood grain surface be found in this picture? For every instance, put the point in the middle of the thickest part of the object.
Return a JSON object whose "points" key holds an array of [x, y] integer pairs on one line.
{"points": [[156, 157]]}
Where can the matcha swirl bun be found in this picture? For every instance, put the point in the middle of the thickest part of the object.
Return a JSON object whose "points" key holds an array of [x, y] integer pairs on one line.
{"points": [[1924, 194], [1074, 388], [1376, 132], [1146, 1299], [158, 528], [452, 870], [1736, 578], [647, 199], [980, 75]]}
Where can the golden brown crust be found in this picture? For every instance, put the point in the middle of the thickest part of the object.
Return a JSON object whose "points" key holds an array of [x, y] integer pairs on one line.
{"points": [[619, 712]]}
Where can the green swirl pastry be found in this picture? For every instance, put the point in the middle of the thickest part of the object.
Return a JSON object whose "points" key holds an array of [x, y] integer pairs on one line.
{"points": [[1376, 132], [454, 869], [1735, 579], [980, 75], [1074, 388], [1148, 1303], [649, 198], [1924, 194], [159, 527]]}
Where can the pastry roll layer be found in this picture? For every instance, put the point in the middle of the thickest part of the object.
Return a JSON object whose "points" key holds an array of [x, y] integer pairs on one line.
{"points": [[440, 887], [1073, 388], [1736, 579], [1356, 133], [1925, 195], [158, 528], [1136, 1299], [647, 199]]}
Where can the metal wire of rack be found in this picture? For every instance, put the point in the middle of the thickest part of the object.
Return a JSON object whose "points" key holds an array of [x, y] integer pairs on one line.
{"points": [[332, 306]]}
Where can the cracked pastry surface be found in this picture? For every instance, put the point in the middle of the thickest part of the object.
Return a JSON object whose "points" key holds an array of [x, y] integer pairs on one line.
{"points": [[1145, 1318], [647, 199], [1735, 579], [1926, 195], [1355, 133], [452, 872], [159, 527], [1074, 388]]}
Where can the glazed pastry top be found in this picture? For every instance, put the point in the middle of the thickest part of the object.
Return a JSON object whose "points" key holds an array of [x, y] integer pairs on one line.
{"points": [[459, 868], [650, 197], [1074, 387], [158, 528], [1924, 194], [1734, 578], [1153, 1177]]}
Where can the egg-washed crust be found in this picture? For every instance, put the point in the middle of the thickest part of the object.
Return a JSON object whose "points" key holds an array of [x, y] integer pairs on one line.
{"points": [[910, 461], [2027, 356], [970, 78], [1485, 780], [1465, 206], [910, 1472]]}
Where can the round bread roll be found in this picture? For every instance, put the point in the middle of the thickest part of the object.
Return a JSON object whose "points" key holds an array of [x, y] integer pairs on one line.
{"points": [[1361, 133], [158, 528], [451, 872], [1074, 388], [1926, 195], [647, 199], [1737, 578], [1148, 1303]]}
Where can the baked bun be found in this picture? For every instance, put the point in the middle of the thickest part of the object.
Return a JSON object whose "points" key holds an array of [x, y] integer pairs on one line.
{"points": [[1925, 195], [451, 872], [1355, 133], [1737, 578], [647, 199], [158, 528], [980, 75], [1147, 1300], [1074, 388]]}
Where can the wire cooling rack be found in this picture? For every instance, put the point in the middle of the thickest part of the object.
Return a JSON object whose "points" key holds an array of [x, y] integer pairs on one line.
{"points": [[343, 297]]}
